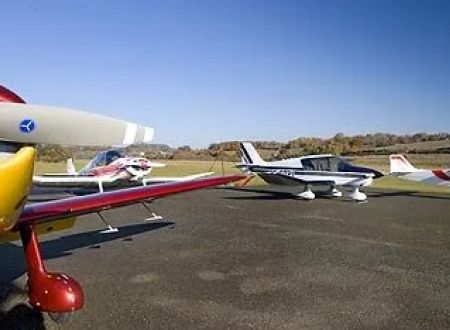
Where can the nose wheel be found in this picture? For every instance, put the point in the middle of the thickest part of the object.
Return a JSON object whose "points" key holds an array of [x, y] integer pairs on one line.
{"points": [[357, 195], [334, 192], [55, 293]]}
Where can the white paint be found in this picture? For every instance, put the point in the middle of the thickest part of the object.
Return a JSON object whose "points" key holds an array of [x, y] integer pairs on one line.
{"points": [[130, 134]]}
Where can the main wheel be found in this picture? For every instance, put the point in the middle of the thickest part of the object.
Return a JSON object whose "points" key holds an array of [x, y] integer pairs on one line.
{"points": [[60, 318]]}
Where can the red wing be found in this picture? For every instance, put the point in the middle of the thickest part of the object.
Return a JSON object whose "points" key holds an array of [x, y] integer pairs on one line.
{"points": [[69, 207]]}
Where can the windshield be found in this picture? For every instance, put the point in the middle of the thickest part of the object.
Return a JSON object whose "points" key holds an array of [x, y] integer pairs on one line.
{"points": [[102, 159]]}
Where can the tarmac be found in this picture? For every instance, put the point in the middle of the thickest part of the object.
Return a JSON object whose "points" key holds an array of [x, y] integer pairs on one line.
{"points": [[232, 259]]}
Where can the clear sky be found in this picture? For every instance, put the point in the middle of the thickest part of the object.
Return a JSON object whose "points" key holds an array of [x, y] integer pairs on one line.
{"points": [[207, 71]]}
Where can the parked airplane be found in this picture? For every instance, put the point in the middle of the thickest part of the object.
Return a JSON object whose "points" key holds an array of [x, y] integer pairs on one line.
{"points": [[110, 167], [402, 168], [56, 293], [310, 170]]}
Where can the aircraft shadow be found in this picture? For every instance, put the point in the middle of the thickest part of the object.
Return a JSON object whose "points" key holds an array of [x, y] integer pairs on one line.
{"points": [[415, 194], [22, 316], [13, 257], [273, 194]]}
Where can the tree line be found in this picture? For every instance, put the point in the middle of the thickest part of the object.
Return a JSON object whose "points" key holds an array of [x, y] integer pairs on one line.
{"points": [[339, 144]]}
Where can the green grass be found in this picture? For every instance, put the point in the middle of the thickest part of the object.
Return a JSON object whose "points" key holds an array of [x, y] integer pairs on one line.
{"points": [[187, 167]]}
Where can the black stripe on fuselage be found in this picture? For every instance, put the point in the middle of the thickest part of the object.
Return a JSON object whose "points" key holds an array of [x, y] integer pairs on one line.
{"points": [[300, 171]]}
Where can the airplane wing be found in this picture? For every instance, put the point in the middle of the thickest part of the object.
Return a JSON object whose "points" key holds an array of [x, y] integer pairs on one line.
{"points": [[54, 179], [73, 180], [162, 179], [70, 207]]}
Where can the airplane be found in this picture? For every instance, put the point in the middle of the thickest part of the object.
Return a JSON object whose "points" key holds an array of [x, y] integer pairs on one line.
{"points": [[56, 293], [402, 168], [110, 167], [311, 170]]}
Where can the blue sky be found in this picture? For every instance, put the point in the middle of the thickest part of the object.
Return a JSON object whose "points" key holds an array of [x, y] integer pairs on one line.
{"points": [[207, 71]]}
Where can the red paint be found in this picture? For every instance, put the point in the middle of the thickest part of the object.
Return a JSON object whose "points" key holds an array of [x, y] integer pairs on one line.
{"points": [[400, 158], [441, 175], [74, 206], [107, 170], [9, 96], [49, 292], [59, 293]]}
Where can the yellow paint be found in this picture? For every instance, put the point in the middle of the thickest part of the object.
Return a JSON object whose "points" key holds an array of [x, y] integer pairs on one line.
{"points": [[16, 175], [43, 228]]}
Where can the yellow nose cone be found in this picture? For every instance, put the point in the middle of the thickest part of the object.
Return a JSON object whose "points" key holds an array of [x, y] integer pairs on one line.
{"points": [[16, 176]]}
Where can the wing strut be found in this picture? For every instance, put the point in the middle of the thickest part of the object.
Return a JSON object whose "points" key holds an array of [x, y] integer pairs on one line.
{"points": [[109, 229], [153, 215]]}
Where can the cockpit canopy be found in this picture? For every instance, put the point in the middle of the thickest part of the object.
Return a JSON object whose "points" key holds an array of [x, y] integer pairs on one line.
{"points": [[326, 163], [102, 159]]}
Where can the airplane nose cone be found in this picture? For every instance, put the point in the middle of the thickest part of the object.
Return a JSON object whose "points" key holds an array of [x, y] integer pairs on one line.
{"points": [[377, 174]]}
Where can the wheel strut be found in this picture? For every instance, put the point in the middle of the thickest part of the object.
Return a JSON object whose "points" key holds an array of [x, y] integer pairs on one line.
{"points": [[54, 293]]}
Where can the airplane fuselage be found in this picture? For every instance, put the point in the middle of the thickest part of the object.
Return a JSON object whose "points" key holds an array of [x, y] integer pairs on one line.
{"points": [[433, 177]]}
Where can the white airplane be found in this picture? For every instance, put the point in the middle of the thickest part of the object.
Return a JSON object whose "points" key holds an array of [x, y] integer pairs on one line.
{"points": [[402, 168], [110, 167], [310, 170]]}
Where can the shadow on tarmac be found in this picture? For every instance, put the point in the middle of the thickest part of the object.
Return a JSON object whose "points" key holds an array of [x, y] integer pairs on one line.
{"points": [[269, 193], [23, 316]]}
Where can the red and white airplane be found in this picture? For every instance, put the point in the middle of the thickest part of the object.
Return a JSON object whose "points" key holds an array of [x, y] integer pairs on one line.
{"points": [[111, 167], [54, 292], [402, 168]]}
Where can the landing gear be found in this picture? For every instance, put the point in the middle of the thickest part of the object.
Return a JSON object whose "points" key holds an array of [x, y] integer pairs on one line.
{"points": [[307, 194], [109, 229], [153, 215], [334, 192], [357, 195], [55, 293]]}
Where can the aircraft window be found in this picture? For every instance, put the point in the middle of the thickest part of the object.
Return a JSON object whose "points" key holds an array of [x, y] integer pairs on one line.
{"points": [[112, 156], [308, 165], [324, 164], [320, 164], [101, 160], [343, 165], [334, 164]]}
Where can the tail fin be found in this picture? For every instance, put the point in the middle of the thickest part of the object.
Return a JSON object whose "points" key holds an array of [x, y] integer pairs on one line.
{"points": [[399, 164], [70, 167], [249, 155]]}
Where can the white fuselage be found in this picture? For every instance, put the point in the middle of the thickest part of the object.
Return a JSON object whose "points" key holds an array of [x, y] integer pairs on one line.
{"points": [[434, 177], [339, 179]]}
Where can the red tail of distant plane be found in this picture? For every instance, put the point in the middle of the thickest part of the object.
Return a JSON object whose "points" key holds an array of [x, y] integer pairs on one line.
{"points": [[9, 96]]}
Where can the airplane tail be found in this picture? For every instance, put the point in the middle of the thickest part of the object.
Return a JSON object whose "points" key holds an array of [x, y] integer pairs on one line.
{"points": [[399, 164], [249, 155], [70, 167]]}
